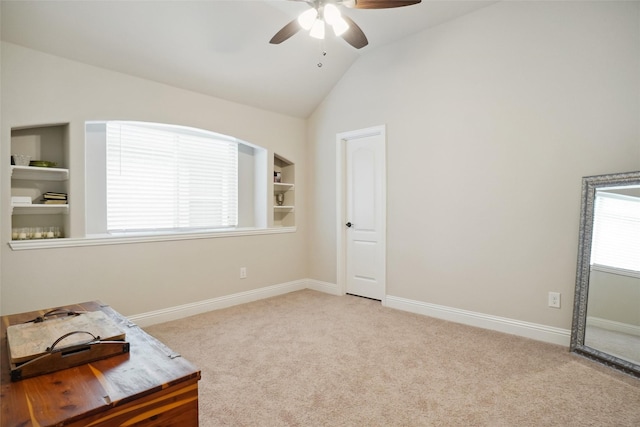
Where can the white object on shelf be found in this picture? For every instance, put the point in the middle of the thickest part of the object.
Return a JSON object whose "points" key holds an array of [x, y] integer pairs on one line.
{"points": [[21, 159], [20, 200]]}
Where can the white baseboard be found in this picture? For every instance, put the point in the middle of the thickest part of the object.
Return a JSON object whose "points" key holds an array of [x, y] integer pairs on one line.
{"points": [[186, 310], [326, 287], [501, 324], [611, 325]]}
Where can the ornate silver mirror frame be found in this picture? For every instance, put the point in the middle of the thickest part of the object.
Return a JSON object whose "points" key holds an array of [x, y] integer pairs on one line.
{"points": [[589, 187]]}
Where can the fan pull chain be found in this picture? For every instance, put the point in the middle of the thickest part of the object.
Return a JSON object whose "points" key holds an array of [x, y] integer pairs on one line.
{"points": [[320, 63], [323, 53]]}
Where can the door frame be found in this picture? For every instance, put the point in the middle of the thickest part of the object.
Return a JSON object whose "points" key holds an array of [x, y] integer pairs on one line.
{"points": [[341, 182]]}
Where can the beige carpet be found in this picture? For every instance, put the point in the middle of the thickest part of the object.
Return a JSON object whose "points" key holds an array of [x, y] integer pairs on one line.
{"points": [[312, 359]]}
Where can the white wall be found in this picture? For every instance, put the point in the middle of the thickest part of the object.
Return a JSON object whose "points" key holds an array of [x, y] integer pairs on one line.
{"points": [[136, 278], [492, 120]]}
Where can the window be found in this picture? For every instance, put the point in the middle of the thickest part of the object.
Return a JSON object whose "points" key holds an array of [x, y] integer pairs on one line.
{"points": [[169, 179], [152, 178], [616, 231]]}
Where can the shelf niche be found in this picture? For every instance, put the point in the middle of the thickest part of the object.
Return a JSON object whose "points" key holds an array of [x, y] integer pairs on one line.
{"points": [[284, 170], [42, 142]]}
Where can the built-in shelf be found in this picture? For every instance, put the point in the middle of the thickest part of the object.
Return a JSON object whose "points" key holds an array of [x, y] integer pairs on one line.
{"points": [[281, 187], [50, 143], [39, 209], [283, 192], [39, 174]]}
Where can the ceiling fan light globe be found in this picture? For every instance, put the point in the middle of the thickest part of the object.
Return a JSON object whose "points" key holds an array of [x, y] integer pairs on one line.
{"points": [[340, 26], [317, 31], [307, 18], [331, 13]]}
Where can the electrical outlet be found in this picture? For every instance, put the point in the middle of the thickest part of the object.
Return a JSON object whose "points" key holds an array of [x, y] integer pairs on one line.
{"points": [[243, 272], [554, 299]]}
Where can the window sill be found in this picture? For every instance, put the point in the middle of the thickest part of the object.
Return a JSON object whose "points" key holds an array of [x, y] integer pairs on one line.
{"points": [[20, 245], [616, 271]]}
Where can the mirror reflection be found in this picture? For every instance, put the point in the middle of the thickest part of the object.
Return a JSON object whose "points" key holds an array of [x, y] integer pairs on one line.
{"points": [[613, 308], [607, 304]]}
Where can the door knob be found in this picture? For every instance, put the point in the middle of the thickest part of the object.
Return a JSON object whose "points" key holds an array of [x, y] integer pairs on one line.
{"points": [[349, 224]]}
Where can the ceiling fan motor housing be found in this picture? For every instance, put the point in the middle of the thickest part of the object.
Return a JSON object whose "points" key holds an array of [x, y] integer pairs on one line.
{"points": [[326, 12]]}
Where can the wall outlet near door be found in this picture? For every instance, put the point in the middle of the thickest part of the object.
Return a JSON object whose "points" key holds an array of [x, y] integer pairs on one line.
{"points": [[554, 299], [243, 272]]}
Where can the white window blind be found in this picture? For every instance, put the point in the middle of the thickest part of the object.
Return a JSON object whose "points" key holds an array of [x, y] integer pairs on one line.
{"points": [[169, 179], [616, 231]]}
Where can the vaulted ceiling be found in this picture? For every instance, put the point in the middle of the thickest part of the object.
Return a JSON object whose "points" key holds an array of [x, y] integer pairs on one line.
{"points": [[215, 47]]}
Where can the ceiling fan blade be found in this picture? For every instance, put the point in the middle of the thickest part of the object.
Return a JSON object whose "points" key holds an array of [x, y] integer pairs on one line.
{"points": [[379, 4], [287, 31], [354, 35]]}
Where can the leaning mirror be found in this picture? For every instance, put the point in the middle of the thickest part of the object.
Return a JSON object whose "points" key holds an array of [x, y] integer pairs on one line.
{"points": [[606, 316]]}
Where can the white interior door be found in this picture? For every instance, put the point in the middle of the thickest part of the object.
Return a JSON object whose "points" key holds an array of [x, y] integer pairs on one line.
{"points": [[364, 219]]}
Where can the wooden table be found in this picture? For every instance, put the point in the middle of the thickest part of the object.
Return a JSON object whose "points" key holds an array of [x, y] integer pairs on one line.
{"points": [[149, 386]]}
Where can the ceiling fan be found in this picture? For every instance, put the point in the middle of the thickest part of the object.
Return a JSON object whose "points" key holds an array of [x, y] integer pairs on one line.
{"points": [[326, 12]]}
